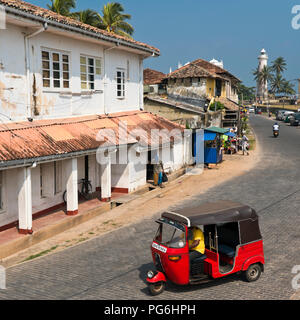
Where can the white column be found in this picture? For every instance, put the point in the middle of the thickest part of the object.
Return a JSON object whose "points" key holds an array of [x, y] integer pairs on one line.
{"points": [[25, 202], [106, 179], [72, 187]]}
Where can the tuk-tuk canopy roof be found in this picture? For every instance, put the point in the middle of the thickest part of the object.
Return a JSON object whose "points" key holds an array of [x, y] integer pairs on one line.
{"points": [[212, 213]]}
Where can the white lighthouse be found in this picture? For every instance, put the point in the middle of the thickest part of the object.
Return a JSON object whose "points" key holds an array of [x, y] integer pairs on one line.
{"points": [[262, 88]]}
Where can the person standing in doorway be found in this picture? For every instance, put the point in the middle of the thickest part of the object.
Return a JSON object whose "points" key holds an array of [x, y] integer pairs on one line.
{"points": [[158, 174]]}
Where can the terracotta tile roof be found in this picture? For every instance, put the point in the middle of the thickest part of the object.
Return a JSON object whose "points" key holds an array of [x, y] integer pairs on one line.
{"points": [[229, 105], [153, 76], [192, 70], [28, 141], [52, 16], [201, 68]]}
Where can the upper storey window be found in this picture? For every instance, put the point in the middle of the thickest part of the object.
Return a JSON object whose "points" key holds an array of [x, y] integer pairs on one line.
{"points": [[56, 70]]}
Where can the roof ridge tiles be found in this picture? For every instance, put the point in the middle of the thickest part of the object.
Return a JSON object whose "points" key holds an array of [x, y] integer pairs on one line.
{"points": [[63, 20]]}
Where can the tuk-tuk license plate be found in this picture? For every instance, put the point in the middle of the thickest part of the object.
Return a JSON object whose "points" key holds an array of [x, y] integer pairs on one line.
{"points": [[158, 247]]}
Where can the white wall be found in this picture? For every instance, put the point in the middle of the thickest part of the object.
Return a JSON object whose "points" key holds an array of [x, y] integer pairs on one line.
{"points": [[60, 103], [12, 74], [137, 169]]}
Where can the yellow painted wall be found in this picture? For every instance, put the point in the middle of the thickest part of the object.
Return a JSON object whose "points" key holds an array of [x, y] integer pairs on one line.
{"points": [[210, 87], [223, 94]]}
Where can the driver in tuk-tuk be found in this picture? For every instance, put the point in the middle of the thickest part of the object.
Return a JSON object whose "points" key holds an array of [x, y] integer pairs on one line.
{"points": [[196, 243]]}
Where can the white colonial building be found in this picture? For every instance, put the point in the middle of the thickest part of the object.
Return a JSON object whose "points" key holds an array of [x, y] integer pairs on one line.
{"points": [[69, 94]]}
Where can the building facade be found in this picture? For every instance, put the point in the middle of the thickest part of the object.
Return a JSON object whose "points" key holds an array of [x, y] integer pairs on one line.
{"points": [[202, 80], [71, 102]]}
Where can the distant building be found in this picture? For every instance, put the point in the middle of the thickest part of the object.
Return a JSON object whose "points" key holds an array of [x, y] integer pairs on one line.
{"points": [[203, 80], [153, 81]]}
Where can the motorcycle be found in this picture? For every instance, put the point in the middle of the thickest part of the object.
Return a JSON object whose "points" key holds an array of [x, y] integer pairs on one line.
{"points": [[276, 133]]}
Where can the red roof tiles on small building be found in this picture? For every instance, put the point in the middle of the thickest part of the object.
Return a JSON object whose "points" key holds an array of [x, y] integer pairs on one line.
{"points": [[153, 77], [45, 138]]}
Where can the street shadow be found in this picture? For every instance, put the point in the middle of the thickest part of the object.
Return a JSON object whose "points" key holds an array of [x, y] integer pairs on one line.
{"points": [[174, 288], [143, 269]]}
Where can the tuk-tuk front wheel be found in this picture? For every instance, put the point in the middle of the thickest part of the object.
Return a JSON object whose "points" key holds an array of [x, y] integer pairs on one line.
{"points": [[156, 288], [253, 273]]}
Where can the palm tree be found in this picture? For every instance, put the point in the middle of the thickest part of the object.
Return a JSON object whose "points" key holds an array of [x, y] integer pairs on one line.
{"points": [[113, 19], [62, 7], [279, 65], [264, 75], [87, 16], [277, 83], [288, 88]]}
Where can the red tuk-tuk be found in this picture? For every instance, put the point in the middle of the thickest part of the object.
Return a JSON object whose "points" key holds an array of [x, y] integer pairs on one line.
{"points": [[233, 243]]}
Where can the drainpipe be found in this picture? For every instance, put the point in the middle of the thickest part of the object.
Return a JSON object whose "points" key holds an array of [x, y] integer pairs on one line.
{"points": [[141, 80], [27, 59], [105, 75]]}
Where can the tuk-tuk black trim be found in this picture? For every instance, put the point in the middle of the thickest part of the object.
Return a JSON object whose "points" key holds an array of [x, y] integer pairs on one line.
{"points": [[212, 213]]}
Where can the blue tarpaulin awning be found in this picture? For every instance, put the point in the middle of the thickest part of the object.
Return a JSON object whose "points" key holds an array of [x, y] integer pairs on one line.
{"points": [[230, 134], [209, 136]]}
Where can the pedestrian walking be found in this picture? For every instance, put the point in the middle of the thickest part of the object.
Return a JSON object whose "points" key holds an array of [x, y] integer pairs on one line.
{"points": [[245, 145]]}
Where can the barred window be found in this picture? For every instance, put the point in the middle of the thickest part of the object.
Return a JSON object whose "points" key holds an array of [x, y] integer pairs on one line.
{"points": [[56, 70], [120, 83], [90, 68]]}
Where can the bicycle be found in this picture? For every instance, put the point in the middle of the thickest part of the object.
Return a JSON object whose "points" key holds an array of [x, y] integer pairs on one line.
{"points": [[85, 191]]}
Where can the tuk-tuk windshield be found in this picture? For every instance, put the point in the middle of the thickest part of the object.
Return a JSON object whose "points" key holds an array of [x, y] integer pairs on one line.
{"points": [[170, 235]]}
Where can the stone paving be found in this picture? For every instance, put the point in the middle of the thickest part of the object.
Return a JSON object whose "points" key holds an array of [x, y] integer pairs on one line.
{"points": [[114, 266]]}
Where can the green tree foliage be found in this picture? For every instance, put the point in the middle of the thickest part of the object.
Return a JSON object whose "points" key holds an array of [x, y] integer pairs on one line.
{"points": [[246, 93], [279, 65], [113, 19], [62, 7], [217, 106], [273, 74], [264, 75], [87, 16]]}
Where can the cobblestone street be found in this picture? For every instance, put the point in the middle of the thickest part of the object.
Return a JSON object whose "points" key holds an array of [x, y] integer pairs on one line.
{"points": [[114, 266]]}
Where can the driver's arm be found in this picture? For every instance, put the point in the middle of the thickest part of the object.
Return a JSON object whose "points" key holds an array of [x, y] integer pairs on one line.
{"points": [[194, 244]]}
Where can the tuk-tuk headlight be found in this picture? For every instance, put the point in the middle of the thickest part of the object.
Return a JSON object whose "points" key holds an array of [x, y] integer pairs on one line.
{"points": [[150, 274]]}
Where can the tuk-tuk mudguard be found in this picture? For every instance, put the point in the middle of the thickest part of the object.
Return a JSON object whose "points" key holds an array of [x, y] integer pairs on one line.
{"points": [[252, 260], [160, 277]]}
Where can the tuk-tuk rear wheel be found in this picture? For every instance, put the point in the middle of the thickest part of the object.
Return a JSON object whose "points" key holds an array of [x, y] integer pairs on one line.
{"points": [[253, 273], [156, 288]]}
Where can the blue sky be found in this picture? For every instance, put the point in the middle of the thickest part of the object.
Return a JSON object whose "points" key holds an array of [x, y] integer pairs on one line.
{"points": [[232, 30]]}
